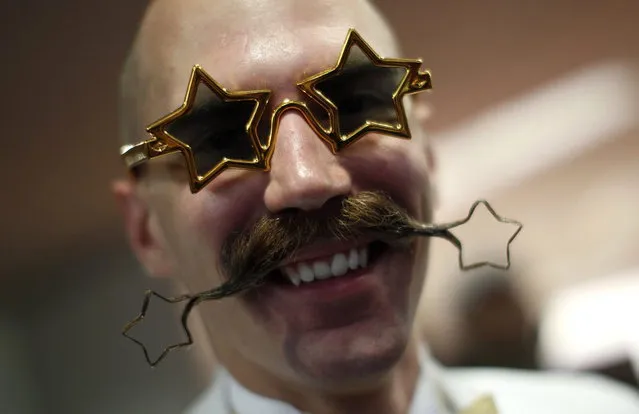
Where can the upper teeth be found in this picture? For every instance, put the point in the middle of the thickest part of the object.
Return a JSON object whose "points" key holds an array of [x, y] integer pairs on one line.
{"points": [[336, 265]]}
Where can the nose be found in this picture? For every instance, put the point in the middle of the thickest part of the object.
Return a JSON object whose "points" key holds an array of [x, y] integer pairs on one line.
{"points": [[304, 174]]}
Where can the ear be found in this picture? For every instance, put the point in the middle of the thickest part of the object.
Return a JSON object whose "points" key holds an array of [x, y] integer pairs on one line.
{"points": [[142, 229]]}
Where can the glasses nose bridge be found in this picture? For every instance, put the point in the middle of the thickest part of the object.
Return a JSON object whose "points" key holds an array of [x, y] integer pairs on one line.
{"points": [[301, 107]]}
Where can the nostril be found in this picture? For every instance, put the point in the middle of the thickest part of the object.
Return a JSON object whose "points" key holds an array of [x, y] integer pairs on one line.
{"points": [[305, 192], [329, 209], [304, 174]]}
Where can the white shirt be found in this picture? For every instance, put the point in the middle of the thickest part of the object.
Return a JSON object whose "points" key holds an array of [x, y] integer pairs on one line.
{"points": [[514, 392]]}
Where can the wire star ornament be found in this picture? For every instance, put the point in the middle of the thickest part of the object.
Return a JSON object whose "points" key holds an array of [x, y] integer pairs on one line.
{"points": [[455, 240], [148, 295], [426, 230]]}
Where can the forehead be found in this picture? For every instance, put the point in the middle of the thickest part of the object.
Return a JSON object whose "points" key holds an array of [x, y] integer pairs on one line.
{"points": [[267, 45]]}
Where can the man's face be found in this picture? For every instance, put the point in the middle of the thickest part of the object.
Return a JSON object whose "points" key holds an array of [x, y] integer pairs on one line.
{"points": [[345, 327]]}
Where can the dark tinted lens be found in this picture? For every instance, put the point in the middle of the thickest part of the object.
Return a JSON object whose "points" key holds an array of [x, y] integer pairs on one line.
{"points": [[215, 130], [362, 92], [321, 114]]}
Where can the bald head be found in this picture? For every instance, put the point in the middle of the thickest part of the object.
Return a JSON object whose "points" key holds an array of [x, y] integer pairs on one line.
{"points": [[276, 338], [243, 44]]}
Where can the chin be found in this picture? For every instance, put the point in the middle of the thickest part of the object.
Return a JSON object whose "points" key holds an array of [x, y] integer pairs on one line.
{"points": [[360, 352], [345, 330]]}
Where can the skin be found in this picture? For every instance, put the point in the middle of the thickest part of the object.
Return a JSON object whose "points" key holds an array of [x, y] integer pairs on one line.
{"points": [[275, 347]]}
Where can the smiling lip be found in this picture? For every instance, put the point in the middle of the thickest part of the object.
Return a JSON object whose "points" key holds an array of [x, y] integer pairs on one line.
{"points": [[331, 303], [336, 302], [332, 289]]}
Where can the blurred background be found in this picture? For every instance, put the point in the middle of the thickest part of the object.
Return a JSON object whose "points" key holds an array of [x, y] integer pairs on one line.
{"points": [[535, 108]]}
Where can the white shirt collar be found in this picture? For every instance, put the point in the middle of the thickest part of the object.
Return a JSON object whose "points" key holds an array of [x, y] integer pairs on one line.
{"points": [[244, 401], [426, 400]]}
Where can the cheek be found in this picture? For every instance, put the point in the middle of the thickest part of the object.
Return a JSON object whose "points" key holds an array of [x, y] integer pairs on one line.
{"points": [[197, 225], [396, 166], [215, 212]]}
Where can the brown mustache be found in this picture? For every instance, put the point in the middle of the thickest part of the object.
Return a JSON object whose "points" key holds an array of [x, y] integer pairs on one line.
{"points": [[249, 255]]}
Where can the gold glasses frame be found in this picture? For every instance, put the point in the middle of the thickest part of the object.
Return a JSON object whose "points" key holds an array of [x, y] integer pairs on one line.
{"points": [[162, 143]]}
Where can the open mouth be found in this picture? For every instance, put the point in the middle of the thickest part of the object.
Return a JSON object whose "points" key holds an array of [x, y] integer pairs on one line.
{"points": [[341, 264]]}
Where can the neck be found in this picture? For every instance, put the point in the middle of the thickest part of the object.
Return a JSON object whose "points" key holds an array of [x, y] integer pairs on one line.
{"points": [[391, 394]]}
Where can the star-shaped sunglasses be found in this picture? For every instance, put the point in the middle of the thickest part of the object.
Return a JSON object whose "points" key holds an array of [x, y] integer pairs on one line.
{"points": [[216, 129]]}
